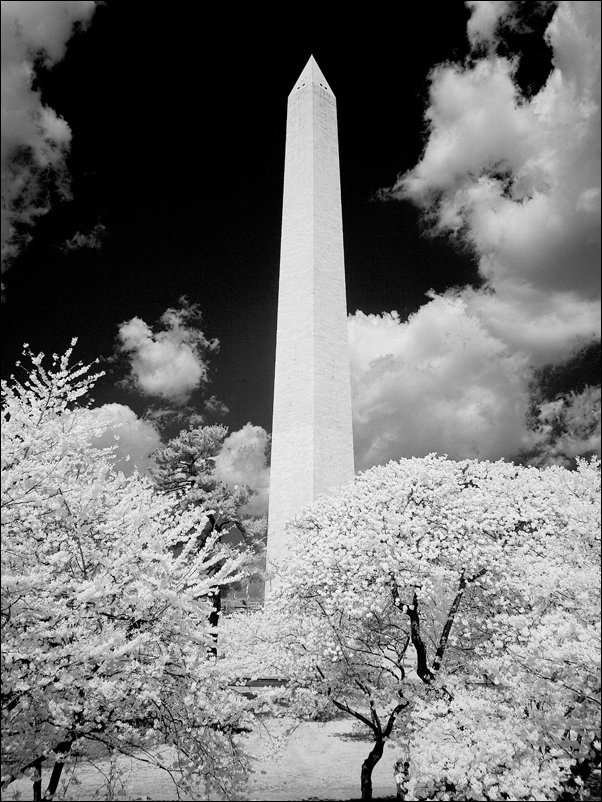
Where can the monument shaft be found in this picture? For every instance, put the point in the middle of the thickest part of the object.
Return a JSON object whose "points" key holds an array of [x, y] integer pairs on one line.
{"points": [[312, 441]]}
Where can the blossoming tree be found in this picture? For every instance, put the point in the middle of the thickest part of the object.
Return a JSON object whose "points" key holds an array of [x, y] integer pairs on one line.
{"points": [[106, 634], [453, 608]]}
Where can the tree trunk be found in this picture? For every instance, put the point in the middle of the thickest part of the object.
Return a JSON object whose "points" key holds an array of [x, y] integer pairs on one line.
{"points": [[37, 783], [367, 767], [62, 749]]}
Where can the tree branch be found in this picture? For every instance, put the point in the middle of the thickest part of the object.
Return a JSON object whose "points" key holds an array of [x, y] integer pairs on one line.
{"points": [[422, 668], [451, 617], [346, 709], [393, 717]]}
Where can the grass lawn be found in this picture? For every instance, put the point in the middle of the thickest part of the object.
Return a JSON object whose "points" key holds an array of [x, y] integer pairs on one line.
{"points": [[320, 762]]}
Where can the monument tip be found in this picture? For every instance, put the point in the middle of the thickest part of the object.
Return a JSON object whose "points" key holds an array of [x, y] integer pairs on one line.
{"points": [[312, 75]]}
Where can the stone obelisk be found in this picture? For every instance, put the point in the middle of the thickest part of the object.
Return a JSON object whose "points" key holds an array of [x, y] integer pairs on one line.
{"points": [[312, 441]]}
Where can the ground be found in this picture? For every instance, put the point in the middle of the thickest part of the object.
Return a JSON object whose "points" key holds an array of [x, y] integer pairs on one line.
{"points": [[320, 761]]}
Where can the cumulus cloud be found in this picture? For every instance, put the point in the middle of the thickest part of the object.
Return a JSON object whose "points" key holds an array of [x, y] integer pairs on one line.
{"points": [[91, 239], [243, 461], [213, 406], [172, 362], [565, 428], [519, 180], [118, 425], [485, 18], [35, 139], [516, 179], [437, 382]]}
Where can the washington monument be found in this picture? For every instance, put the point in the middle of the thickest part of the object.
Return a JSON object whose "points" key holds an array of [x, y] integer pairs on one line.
{"points": [[312, 441]]}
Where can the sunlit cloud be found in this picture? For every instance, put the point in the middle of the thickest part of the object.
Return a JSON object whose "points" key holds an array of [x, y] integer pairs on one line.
{"points": [[117, 425], [485, 18], [243, 461], [437, 382], [172, 361], [565, 428], [517, 180], [498, 173], [92, 239], [35, 139]]}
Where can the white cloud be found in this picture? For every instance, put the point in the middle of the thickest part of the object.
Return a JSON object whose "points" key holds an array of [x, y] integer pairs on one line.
{"points": [[566, 428], [438, 382], [35, 139], [172, 362], [243, 461], [546, 327], [518, 179], [92, 239], [485, 18], [118, 425]]}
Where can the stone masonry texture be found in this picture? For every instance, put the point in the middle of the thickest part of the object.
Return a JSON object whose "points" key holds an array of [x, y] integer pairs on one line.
{"points": [[312, 441]]}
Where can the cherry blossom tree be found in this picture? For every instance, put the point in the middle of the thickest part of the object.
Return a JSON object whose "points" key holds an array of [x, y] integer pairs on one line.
{"points": [[106, 632], [453, 609]]}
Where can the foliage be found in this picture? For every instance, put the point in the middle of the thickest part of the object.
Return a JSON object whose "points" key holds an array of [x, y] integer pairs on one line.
{"points": [[106, 633], [185, 467], [454, 607]]}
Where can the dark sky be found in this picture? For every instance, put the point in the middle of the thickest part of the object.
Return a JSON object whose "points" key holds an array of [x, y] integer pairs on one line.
{"points": [[178, 125], [178, 133]]}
